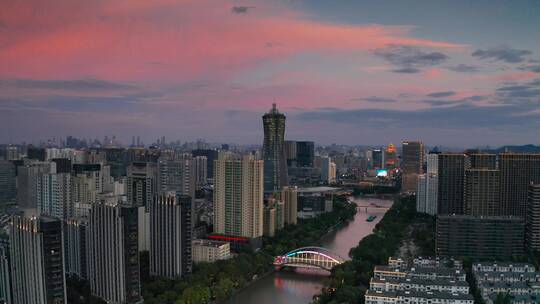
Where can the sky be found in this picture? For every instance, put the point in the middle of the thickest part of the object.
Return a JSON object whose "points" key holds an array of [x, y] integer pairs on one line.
{"points": [[452, 73]]}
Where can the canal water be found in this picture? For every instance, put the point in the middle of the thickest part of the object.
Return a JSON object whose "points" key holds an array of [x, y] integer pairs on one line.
{"points": [[299, 286]]}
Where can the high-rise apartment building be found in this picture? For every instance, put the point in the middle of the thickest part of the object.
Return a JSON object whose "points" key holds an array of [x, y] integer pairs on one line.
{"points": [[37, 260], [432, 163], [75, 249], [8, 189], [518, 171], [238, 196], [275, 166], [27, 178], [532, 228], [201, 170], [211, 156], [113, 253], [289, 196], [481, 192], [412, 163], [6, 291], [170, 235], [53, 195], [451, 182], [177, 175], [142, 183], [426, 193]]}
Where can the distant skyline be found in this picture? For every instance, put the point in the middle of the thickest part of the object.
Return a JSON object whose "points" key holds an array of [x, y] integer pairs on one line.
{"points": [[450, 73]]}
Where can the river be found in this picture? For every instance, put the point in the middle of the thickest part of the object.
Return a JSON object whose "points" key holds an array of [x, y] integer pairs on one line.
{"points": [[299, 287]]}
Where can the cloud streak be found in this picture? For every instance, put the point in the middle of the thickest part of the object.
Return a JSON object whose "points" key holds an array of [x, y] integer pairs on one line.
{"points": [[502, 53], [409, 59]]}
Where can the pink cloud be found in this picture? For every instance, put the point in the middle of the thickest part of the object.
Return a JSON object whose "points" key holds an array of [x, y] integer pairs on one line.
{"points": [[168, 41]]}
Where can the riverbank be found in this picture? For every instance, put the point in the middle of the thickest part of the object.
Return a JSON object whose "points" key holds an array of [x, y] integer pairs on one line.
{"points": [[348, 281], [299, 286], [216, 282]]}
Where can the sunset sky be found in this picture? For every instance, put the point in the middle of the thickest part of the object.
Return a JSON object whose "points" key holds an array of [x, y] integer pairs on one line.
{"points": [[456, 73]]}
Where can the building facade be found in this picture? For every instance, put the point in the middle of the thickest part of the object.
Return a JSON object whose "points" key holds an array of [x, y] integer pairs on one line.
{"points": [[451, 180], [518, 171], [142, 183], [289, 196], [412, 164], [480, 236], [209, 251], [532, 228], [275, 165], [76, 250], [113, 253], [482, 192], [37, 260], [170, 235], [238, 196]]}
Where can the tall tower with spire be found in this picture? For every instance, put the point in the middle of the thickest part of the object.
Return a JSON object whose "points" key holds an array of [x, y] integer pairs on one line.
{"points": [[275, 167]]}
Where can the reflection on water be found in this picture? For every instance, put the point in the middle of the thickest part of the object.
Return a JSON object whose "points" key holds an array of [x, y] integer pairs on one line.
{"points": [[299, 286]]}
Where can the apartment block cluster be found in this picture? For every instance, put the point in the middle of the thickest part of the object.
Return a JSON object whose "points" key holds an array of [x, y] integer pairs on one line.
{"points": [[424, 280], [520, 281], [487, 205], [87, 213]]}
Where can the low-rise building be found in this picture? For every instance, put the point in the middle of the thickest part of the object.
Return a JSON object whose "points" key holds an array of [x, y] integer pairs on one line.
{"points": [[417, 297], [428, 273], [210, 250], [519, 280], [415, 284], [424, 281]]}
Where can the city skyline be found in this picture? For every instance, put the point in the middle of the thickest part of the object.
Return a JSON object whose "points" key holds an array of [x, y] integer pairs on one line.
{"points": [[354, 73]]}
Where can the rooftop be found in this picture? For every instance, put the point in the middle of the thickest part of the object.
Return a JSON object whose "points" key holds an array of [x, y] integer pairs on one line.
{"points": [[421, 294]]}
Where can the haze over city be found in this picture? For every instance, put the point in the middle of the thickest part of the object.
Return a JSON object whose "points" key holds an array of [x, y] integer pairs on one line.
{"points": [[452, 73]]}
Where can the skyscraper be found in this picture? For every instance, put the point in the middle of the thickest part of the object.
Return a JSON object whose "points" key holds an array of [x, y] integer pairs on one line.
{"points": [[518, 171], [378, 158], [178, 175], [305, 151], [37, 260], [275, 167], [6, 292], [211, 156], [142, 183], [412, 164], [8, 189], [201, 170], [113, 253], [451, 183], [53, 195], [481, 192], [532, 227], [170, 230], [238, 196], [27, 178], [76, 254]]}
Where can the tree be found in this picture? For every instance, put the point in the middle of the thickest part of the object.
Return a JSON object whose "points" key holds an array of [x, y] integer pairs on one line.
{"points": [[503, 298]]}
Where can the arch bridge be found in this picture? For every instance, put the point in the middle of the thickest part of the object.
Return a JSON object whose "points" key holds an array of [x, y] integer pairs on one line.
{"points": [[309, 257]]}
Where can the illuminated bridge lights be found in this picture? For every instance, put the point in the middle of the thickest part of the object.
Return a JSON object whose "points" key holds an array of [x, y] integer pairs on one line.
{"points": [[309, 257]]}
